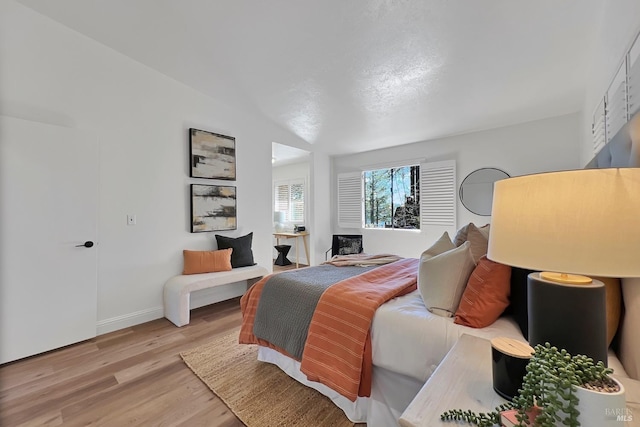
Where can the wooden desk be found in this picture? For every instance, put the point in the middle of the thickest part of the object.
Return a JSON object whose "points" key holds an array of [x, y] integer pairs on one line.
{"points": [[463, 380], [302, 234]]}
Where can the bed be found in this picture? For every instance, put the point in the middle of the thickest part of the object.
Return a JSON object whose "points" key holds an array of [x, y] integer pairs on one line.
{"points": [[407, 341], [401, 363]]}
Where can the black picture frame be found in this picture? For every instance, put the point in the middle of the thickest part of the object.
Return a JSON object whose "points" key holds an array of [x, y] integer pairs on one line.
{"points": [[211, 155], [213, 208]]}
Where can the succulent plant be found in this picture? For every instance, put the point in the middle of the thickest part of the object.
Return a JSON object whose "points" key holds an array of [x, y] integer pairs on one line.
{"points": [[550, 383]]}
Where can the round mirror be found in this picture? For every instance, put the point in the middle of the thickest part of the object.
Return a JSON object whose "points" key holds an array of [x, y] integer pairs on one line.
{"points": [[476, 190]]}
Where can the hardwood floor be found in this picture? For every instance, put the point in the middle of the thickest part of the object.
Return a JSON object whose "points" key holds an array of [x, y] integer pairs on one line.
{"points": [[279, 268], [131, 377]]}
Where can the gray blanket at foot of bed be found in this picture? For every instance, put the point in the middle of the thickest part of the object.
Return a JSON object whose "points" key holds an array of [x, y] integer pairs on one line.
{"points": [[288, 301]]}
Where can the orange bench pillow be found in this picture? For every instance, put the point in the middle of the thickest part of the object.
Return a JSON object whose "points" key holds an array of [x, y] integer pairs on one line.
{"points": [[196, 262]]}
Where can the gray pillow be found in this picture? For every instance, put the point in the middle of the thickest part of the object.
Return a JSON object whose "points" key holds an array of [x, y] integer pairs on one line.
{"points": [[461, 234], [479, 239]]}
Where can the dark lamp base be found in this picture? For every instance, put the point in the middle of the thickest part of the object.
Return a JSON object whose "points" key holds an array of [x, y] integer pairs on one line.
{"points": [[570, 317]]}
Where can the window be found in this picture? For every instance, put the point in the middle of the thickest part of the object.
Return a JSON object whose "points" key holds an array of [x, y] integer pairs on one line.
{"points": [[392, 198], [406, 197], [289, 198]]}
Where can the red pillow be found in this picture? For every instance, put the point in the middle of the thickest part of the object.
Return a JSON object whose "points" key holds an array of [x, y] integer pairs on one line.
{"points": [[486, 295]]}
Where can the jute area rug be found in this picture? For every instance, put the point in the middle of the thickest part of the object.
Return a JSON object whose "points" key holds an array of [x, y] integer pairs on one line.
{"points": [[259, 393]]}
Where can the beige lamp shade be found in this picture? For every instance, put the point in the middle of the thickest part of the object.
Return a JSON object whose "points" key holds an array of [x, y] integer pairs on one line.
{"points": [[582, 221]]}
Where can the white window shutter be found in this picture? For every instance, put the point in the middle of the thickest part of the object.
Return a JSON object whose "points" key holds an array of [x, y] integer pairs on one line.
{"points": [[598, 127], [438, 193], [616, 103], [350, 200], [282, 199], [289, 197], [634, 78], [297, 202]]}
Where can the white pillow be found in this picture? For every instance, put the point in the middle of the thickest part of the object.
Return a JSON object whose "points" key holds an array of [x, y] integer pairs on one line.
{"points": [[443, 244], [442, 279]]}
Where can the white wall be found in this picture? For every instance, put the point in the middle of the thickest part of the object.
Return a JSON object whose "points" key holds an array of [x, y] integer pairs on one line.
{"points": [[619, 24], [300, 170], [52, 74], [544, 145], [320, 219]]}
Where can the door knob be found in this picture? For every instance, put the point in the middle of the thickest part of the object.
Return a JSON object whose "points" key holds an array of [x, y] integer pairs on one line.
{"points": [[86, 244]]}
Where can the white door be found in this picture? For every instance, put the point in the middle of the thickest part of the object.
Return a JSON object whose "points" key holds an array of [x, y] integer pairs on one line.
{"points": [[48, 210]]}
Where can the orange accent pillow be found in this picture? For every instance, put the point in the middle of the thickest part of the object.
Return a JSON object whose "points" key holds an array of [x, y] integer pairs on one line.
{"points": [[486, 295], [196, 262]]}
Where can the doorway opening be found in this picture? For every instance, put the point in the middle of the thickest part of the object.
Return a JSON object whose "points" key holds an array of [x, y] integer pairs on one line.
{"points": [[291, 203]]}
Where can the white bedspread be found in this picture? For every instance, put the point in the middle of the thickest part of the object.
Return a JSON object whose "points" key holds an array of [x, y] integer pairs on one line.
{"points": [[408, 343], [408, 339]]}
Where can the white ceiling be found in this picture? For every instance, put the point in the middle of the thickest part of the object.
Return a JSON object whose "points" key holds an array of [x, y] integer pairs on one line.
{"points": [[284, 154], [348, 75]]}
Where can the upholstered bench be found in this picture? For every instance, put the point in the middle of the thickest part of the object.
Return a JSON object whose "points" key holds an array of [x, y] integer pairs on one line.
{"points": [[177, 290]]}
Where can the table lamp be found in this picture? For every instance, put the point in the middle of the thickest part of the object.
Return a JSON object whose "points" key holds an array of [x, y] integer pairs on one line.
{"points": [[568, 224]]}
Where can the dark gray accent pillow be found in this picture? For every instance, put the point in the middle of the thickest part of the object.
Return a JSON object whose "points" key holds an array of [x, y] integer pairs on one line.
{"points": [[242, 255]]}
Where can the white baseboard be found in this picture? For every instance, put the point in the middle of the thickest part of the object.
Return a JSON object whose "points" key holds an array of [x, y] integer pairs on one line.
{"points": [[198, 299], [127, 320]]}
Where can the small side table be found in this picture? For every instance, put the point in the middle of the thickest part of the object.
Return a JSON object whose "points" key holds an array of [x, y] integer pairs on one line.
{"points": [[463, 380], [282, 259]]}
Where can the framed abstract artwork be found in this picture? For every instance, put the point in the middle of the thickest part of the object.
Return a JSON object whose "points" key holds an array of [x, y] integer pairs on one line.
{"points": [[212, 155], [213, 208]]}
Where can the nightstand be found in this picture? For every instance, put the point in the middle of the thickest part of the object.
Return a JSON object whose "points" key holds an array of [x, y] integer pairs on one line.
{"points": [[462, 381]]}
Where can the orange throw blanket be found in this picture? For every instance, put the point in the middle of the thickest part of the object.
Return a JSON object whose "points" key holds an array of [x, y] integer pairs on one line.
{"points": [[338, 348]]}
